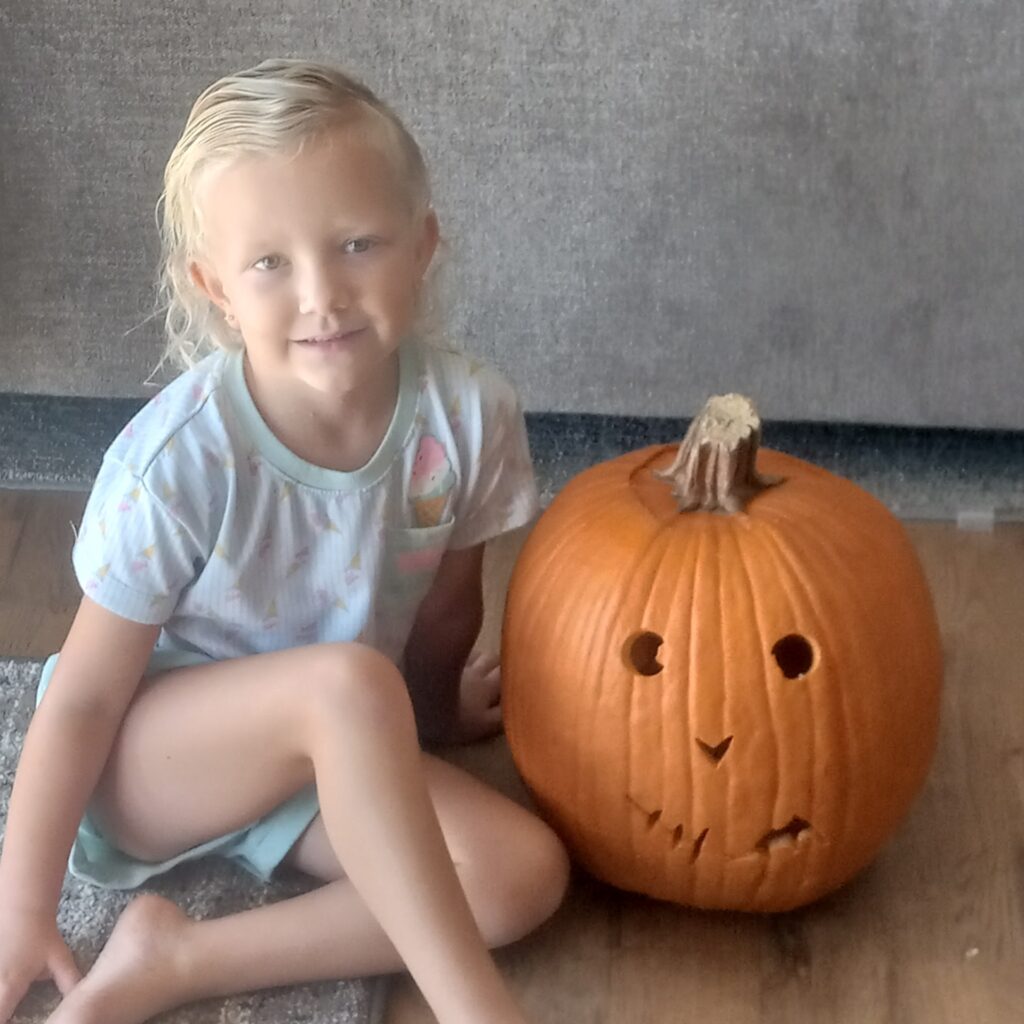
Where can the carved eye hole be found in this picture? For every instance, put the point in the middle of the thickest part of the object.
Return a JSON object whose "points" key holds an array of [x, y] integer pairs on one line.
{"points": [[794, 655], [640, 653]]}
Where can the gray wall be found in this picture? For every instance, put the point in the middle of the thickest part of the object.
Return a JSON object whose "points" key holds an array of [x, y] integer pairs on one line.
{"points": [[816, 203]]}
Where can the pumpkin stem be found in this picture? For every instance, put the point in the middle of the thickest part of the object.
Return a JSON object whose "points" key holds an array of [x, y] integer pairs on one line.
{"points": [[715, 465]]}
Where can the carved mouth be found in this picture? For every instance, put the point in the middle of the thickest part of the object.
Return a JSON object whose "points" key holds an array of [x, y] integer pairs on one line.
{"points": [[787, 834], [795, 829], [675, 831]]}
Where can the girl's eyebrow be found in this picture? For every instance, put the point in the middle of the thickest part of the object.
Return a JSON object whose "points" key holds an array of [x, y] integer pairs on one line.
{"points": [[257, 242], [263, 244]]}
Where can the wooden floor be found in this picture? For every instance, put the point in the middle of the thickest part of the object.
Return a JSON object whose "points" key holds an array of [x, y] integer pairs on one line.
{"points": [[932, 933]]}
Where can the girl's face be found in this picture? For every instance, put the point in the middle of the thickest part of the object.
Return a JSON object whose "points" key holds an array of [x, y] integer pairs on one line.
{"points": [[323, 244]]}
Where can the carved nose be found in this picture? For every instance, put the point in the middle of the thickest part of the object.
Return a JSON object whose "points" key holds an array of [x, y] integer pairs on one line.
{"points": [[717, 752]]}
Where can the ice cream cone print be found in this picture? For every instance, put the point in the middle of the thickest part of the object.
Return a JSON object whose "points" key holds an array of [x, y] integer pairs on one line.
{"points": [[431, 482], [308, 633], [354, 570], [429, 510], [301, 558], [126, 505]]}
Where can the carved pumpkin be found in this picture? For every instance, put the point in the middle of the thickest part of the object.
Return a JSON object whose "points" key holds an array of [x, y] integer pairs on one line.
{"points": [[722, 689]]}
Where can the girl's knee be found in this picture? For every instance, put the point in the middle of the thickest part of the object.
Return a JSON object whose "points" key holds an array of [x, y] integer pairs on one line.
{"points": [[359, 684], [549, 868], [536, 872]]}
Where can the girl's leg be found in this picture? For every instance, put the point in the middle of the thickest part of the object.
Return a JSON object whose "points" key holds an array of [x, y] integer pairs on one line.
{"points": [[513, 873], [209, 748]]}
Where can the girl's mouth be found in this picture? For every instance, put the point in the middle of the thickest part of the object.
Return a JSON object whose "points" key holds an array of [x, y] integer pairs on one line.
{"points": [[334, 341]]}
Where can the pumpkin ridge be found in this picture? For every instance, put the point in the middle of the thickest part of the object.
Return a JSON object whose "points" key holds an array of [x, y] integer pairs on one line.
{"points": [[773, 696], [605, 698], [844, 627], [697, 810], [641, 579], [792, 574], [840, 625], [761, 632], [802, 601], [721, 570], [537, 603], [684, 566], [839, 565], [665, 693]]}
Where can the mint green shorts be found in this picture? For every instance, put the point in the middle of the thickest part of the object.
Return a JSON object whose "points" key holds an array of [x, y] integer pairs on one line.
{"points": [[259, 847]]}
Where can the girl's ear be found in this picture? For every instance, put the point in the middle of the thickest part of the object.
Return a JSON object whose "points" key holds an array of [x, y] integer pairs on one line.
{"points": [[429, 236], [204, 278]]}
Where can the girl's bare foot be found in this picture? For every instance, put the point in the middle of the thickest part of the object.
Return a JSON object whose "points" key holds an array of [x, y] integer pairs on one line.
{"points": [[138, 974]]}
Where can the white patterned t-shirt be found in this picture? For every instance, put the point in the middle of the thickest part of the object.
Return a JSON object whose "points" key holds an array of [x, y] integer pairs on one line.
{"points": [[203, 521]]}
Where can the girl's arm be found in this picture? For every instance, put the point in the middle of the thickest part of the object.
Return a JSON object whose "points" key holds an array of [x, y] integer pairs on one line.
{"points": [[66, 747], [447, 625]]}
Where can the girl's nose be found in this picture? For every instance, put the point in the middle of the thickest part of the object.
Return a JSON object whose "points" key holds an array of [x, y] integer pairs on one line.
{"points": [[321, 291]]}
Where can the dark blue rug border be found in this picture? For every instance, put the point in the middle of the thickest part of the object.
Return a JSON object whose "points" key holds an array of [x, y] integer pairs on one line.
{"points": [[49, 441]]}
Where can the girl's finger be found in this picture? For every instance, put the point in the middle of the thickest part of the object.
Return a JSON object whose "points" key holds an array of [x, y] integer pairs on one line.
{"points": [[10, 996], [66, 974]]}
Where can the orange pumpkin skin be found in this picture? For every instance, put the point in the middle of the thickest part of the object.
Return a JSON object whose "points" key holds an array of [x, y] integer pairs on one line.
{"points": [[629, 767]]}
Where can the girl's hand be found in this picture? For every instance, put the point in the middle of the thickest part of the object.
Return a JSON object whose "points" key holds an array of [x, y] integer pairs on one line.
{"points": [[31, 949], [479, 699]]}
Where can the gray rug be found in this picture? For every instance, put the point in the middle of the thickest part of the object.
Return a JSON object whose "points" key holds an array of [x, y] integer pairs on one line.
{"points": [[210, 889]]}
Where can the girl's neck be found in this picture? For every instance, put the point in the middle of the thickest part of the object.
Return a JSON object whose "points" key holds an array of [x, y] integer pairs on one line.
{"points": [[335, 432]]}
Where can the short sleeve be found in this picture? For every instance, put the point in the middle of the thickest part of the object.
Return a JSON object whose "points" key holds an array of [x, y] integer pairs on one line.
{"points": [[501, 489], [132, 554]]}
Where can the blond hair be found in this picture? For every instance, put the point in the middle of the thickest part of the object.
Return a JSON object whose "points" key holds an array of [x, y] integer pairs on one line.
{"points": [[277, 106]]}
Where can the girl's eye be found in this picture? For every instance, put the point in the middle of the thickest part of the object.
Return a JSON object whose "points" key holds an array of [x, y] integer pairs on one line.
{"points": [[269, 263], [357, 245]]}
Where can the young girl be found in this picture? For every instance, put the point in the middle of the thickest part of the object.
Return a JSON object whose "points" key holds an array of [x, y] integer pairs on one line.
{"points": [[285, 547]]}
